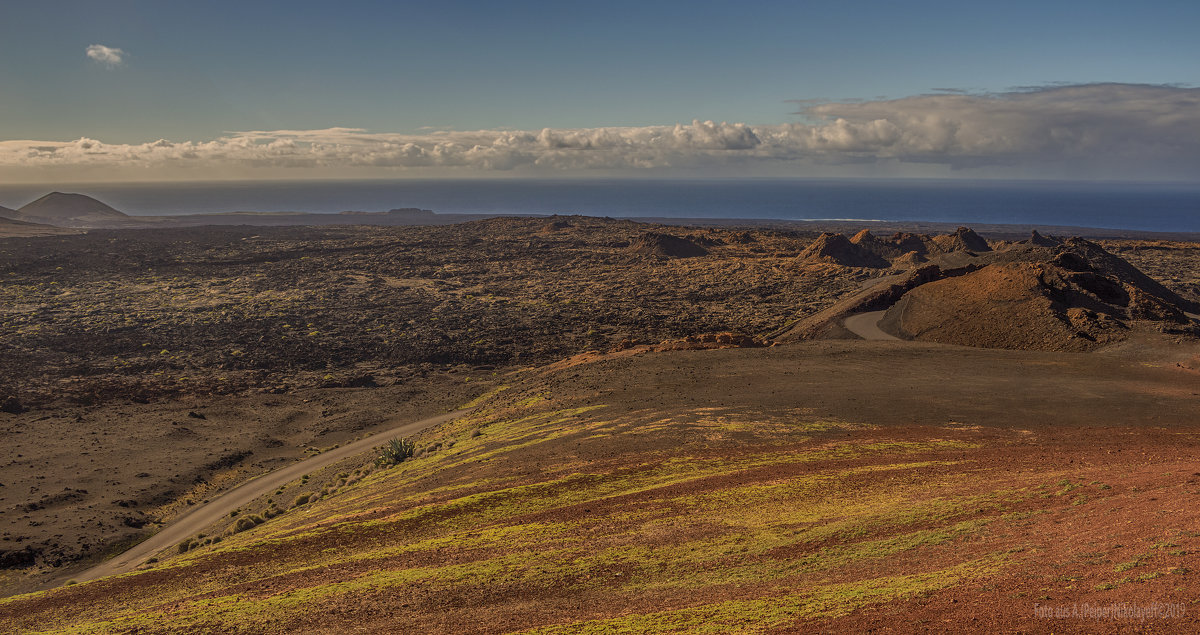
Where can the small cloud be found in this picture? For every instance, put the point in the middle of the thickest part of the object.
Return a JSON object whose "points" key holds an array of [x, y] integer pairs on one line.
{"points": [[106, 55]]}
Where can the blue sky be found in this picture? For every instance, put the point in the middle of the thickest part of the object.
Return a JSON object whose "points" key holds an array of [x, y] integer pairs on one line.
{"points": [[195, 72]]}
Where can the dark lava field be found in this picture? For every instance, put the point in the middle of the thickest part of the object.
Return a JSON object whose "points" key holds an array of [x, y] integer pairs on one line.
{"points": [[154, 313]]}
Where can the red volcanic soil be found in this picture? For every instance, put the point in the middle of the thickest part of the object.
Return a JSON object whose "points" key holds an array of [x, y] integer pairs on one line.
{"points": [[752, 490], [1044, 294], [1004, 306]]}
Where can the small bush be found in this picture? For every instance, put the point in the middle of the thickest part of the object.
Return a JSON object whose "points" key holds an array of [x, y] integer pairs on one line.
{"points": [[301, 500], [395, 452], [248, 522]]}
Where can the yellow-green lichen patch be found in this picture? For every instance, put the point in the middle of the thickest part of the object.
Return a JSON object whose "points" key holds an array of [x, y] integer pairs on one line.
{"points": [[485, 397], [492, 506], [763, 614], [796, 516]]}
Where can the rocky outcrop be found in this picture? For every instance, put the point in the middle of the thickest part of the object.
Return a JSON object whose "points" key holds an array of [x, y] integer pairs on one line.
{"points": [[1017, 306], [882, 248], [1097, 259], [666, 246], [1041, 294], [963, 239], [836, 249], [1074, 297], [909, 260], [907, 241], [1038, 239]]}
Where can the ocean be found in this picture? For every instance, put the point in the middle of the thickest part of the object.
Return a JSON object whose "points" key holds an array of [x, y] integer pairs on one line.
{"points": [[1138, 206]]}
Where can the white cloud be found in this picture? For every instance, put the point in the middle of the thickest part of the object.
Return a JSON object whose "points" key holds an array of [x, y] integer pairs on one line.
{"points": [[1067, 123], [1100, 131], [106, 55]]}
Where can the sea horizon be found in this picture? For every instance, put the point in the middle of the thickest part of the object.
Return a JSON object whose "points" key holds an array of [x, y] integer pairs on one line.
{"points": [[1144, 206]]}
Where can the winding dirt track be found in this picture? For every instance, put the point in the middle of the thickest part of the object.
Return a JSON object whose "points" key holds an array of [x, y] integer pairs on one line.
{"points": [[866, 326], [208, 513]]}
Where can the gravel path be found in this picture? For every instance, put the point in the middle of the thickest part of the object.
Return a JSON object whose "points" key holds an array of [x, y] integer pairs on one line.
{"points": [[866, 326], [208, 513]]}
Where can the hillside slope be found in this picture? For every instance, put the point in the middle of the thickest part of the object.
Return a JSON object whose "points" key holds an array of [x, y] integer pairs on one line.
{"points": [[70, 210], [710, 491]]}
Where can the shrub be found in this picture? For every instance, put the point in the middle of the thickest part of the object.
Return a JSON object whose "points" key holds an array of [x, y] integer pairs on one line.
{"points": [[248, 522], [395, 452]]}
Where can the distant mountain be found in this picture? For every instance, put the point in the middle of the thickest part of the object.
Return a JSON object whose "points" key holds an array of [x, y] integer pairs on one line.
{"points": [[71, 210]]}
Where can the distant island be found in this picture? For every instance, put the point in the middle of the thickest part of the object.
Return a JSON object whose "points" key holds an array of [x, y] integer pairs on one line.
{"points": [[66, 210], [58, 213]]}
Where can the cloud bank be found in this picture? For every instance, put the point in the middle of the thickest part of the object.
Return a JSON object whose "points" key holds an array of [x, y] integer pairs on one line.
{"points": [[1091, 131], [108, 56]]}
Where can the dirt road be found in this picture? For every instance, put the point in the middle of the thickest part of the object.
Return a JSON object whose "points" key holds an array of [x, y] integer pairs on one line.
{"points": [[208, 513], [866, 326]]}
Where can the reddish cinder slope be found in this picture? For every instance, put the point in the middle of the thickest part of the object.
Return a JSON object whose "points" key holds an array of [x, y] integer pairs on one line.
{"points": [[746, 490]]}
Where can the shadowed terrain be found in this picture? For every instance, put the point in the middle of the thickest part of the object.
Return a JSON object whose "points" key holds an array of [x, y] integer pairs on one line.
{"points": [[148, 313]]}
